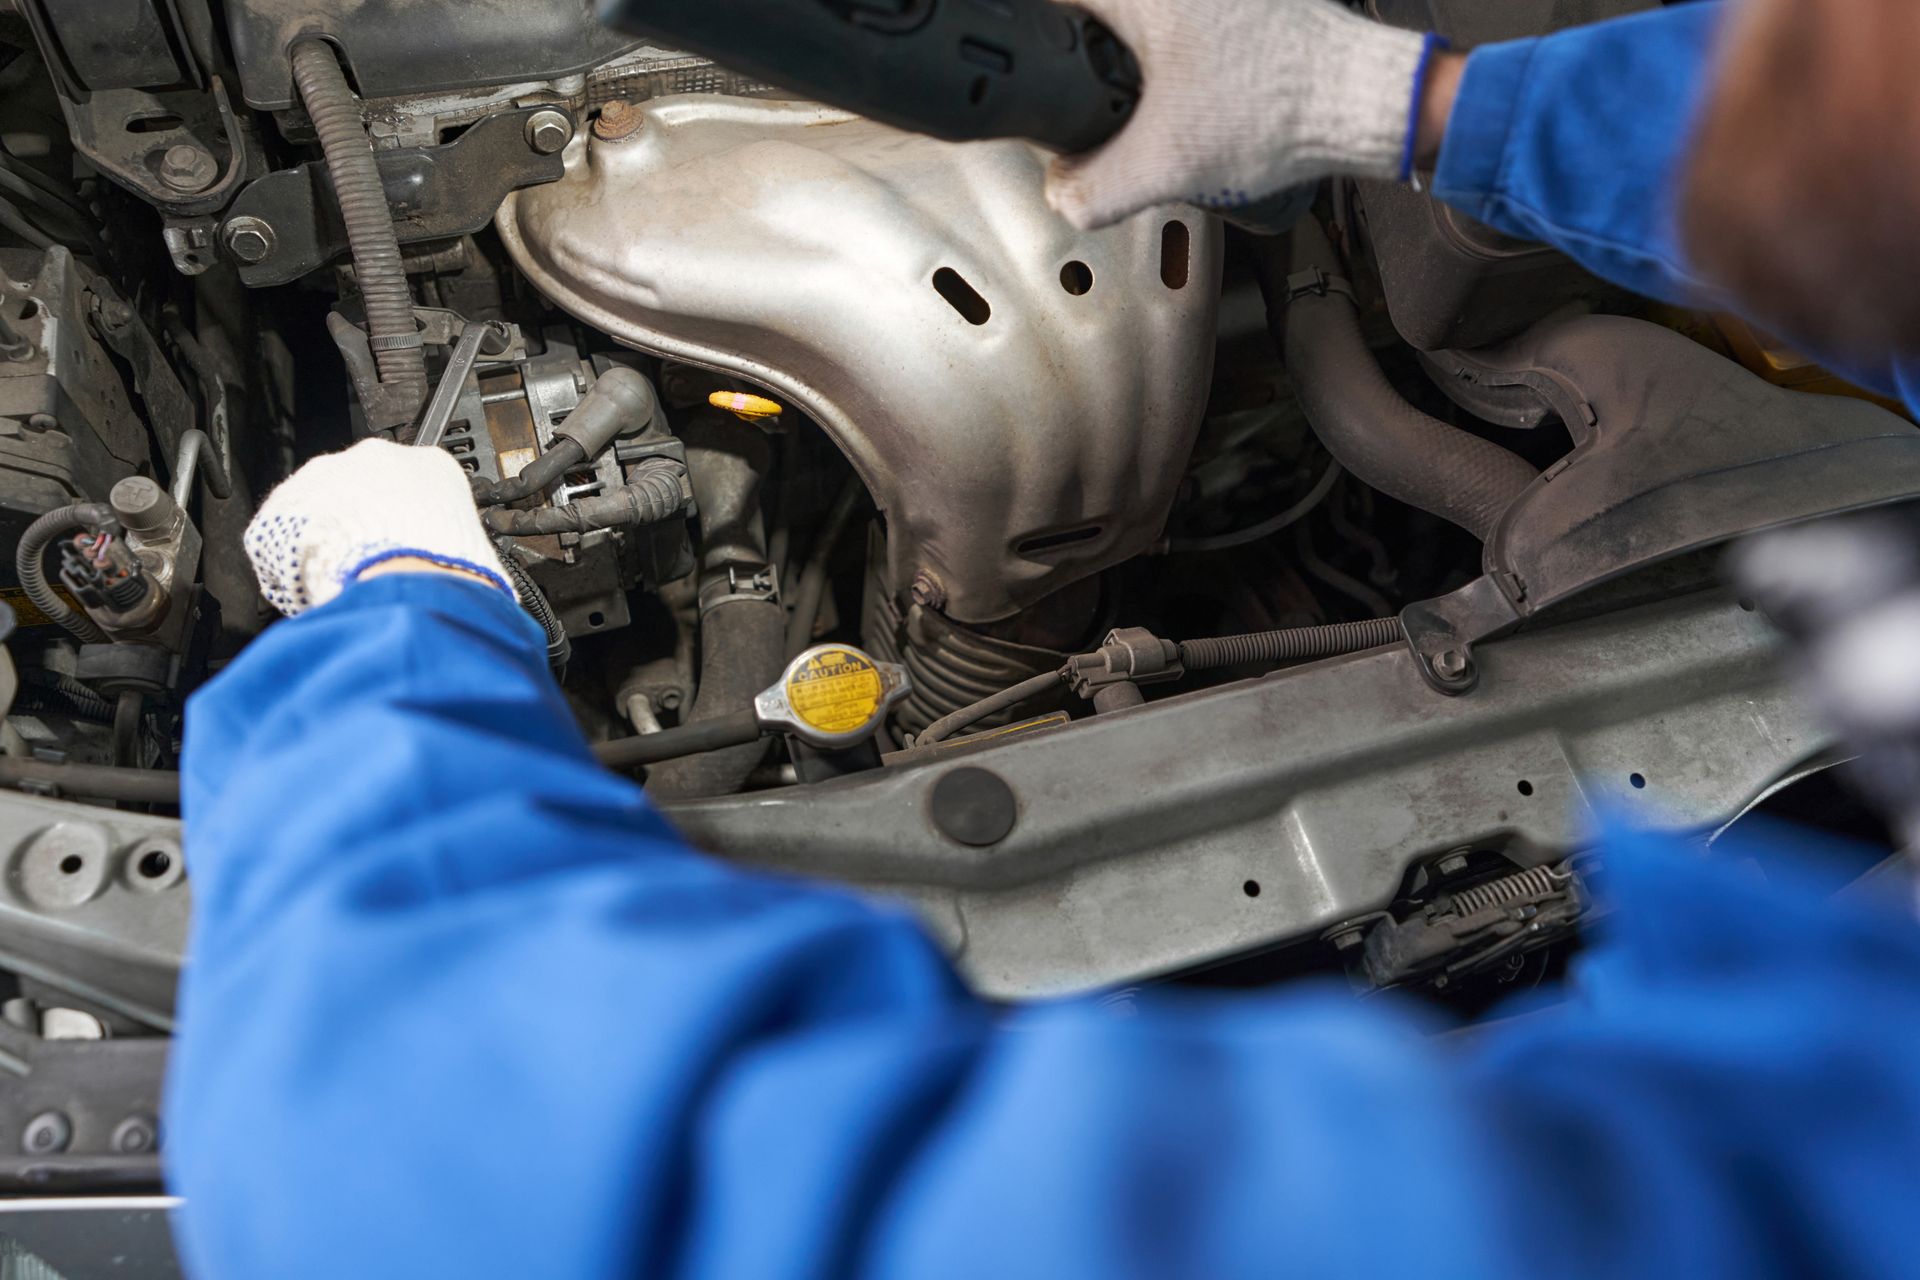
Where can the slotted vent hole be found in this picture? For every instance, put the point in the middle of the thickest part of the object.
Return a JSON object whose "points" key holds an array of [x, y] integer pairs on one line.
{"points": [[1176, 247], [961, 296], [1055, 541]]}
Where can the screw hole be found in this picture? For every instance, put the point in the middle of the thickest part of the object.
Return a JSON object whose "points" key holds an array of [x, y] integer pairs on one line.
{"points": [[1746, 604], [1251, 888], [596, 619], [30, 309], [1076, 277], [71, 863], [1526, 788], [154, 863], [1638, 780]]}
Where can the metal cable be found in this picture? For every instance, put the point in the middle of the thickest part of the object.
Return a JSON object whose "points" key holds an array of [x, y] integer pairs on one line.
{"points": [[392, 335], [29, 563], [1271, 525]]}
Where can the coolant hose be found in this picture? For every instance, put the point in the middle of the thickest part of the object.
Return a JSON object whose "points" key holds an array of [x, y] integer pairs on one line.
{"points": [[391, 332], [742, 633], [1293, 644], [29, 562], [1364, 423]]}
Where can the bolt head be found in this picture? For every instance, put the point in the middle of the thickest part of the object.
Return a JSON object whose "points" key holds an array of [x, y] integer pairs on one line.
{"points": [[548, 131], [46, 1133], [618, 119], [136, 1135], [1451, 664], [188, 168], [1453, 864], [927, 591], [669, 699], [1346, 939], [249, 239]]}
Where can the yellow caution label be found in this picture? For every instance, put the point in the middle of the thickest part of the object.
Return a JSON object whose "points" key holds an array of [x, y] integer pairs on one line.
{"points": [[746, 406], [836, 691], [26, 612]]}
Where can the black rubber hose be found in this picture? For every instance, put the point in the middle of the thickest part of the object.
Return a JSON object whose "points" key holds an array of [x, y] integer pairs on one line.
{"points": [[1364, 423], [740, 655], [812, 589], [537, 476], [652, 496], [100, 781], [126, 727], [29, 562], [953, 722], [1291, 645], [688, 739], [391, 331]]}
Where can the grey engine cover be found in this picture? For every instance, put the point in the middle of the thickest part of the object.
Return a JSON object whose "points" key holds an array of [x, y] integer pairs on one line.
{"points": [[797, 247]]}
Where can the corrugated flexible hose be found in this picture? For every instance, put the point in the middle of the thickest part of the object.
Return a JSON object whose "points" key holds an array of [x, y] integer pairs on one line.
{"points": [[391, 331], [1295, 644]]}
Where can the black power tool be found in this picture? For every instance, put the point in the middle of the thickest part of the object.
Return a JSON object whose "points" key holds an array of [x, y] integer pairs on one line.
{"points": [[956, 69]]}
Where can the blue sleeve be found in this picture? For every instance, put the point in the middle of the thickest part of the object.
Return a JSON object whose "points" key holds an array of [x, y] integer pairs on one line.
{"points": [[459, 1003], [1579, 139]]}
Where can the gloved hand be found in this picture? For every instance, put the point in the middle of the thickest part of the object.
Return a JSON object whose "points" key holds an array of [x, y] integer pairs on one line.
{"points": [[346, 512], [1242, 99]]}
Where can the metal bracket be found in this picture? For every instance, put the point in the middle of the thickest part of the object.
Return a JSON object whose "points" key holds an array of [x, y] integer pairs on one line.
{"points": [[1441, 632], [292, 217]]}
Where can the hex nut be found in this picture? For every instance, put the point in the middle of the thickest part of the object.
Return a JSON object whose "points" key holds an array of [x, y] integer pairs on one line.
{"points": [[188, 168], [1453, 864], [47, 1133], [249, 240], [617, 120], [1451, 664], [548, 131]]}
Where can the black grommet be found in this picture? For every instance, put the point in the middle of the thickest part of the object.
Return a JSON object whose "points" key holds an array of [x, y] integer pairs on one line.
{"points": [[973, 806]]}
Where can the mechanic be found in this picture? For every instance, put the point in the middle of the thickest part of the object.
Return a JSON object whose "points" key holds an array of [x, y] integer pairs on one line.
{"points": [[460, 1003]]}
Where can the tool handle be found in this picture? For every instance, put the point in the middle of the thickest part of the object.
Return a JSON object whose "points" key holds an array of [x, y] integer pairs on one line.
{"points": [[955, 69]]}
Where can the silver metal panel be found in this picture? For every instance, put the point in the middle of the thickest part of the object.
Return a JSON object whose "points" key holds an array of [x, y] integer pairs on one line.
{"points": [[797, 247], [1138, 831]]}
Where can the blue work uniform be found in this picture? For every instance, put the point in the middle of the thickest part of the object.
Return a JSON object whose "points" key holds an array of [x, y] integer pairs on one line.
{"points": [[459, 1003]]}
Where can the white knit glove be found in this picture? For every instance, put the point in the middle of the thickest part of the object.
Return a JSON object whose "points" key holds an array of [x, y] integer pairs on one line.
{"points": [[1242, 99], [343, 513]]}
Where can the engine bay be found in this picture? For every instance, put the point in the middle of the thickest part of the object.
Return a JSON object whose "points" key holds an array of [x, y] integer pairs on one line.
{"points": [[1215, 602]]}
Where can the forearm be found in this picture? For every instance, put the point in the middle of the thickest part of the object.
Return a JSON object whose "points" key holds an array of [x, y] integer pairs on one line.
{"points": [[1578, 139]]}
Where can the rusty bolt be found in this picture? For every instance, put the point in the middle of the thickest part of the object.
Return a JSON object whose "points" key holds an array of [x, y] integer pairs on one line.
{"points": [[249, 239], [188, 168], [1452, 664], [618, 119], [548, 131], [927, 591]]}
